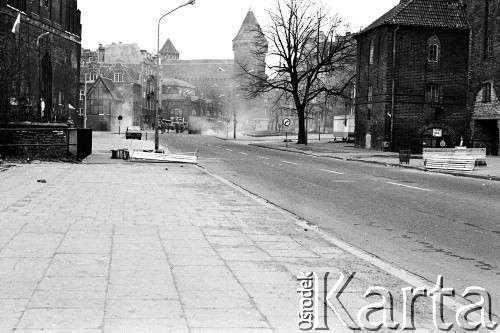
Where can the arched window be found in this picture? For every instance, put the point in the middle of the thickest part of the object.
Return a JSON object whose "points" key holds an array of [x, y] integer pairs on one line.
{"points": [[433, 49]]}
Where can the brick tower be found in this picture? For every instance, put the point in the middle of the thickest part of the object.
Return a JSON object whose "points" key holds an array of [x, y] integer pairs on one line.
{"points": [[250, 113]]}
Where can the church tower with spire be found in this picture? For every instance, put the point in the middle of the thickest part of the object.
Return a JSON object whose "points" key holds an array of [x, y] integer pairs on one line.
{"points": [[249, 48], [168, 51]]}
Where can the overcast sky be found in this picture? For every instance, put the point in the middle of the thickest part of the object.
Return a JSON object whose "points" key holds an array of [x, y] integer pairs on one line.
{"points": [[204, 30]]}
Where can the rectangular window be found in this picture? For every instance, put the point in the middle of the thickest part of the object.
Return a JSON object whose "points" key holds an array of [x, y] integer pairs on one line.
{"points": [[487, 92], [371, 52], [432, 93], [82, 95], [82, 111], [433, 52], [118, 77], [370, 101], [60, 98], [489, 46]]}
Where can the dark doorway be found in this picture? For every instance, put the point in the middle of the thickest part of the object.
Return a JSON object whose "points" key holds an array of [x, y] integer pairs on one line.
{"points": [[494, 137], [429, 140]]}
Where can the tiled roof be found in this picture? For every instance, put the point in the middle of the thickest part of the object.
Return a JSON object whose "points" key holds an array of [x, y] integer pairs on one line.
{"points": [[424, 13]]}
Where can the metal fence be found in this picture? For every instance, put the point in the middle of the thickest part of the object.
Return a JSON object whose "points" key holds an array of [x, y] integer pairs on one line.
{"points": [[49, 142]]}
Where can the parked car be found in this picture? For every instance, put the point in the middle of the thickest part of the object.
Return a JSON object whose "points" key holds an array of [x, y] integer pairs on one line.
{"points": [[133, 132]]}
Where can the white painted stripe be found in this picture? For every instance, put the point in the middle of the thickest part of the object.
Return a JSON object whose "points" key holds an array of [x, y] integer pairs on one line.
{"points": [[413, 187], [228, 149], [262, 157], [218, 147], [290, 163], [331, 171], [243, 153]]}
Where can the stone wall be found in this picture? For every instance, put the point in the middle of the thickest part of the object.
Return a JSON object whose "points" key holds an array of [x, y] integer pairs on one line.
{"points": [[36, 142]]}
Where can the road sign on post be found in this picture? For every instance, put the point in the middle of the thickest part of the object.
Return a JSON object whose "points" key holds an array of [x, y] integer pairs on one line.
{"points": [[286, 123], [119, 124]]}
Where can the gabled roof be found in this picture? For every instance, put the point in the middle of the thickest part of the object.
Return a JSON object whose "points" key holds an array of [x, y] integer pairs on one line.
{"points": [[110, 85], [168, 48], [424, 13]]}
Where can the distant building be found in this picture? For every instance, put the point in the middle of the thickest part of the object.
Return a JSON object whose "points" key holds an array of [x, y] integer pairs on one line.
{"points": [[105, 104], [484, 89], [412, 77], [40, 59], [217, 79], [132, 72]]}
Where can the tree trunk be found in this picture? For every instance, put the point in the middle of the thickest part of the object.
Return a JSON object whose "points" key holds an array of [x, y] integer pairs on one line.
{"points": [[302, 128]]}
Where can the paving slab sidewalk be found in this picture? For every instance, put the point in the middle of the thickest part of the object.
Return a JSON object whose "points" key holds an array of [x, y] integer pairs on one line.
{"points": [[137, 247]]}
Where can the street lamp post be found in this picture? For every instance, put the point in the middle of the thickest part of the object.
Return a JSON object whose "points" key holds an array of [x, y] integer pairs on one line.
{"points": [[158, 87]]}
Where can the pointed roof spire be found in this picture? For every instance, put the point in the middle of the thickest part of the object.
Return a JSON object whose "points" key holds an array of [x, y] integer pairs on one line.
{"points": [[168, 48], [249, 25]]}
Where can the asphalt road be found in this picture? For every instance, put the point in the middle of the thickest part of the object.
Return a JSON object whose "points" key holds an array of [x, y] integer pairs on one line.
{"points": [[426, 223]]}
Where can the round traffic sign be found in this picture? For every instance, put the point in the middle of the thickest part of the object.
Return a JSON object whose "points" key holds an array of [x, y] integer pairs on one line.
{"points": [[286, 122]]}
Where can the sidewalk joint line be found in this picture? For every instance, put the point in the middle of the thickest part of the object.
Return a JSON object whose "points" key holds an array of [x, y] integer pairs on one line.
{"points": [[43, 276], [109, 276], [176, 285]]}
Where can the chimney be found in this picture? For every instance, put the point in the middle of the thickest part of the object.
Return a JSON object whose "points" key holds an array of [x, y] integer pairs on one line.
{"points": [[101, 52]]}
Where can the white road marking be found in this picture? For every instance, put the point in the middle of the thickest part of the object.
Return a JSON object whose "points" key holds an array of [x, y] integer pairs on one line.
{"points": [[228, 149], [243, 153], [218, 147], [413, 187], [290, 163], [331, 171], [264, 158]]}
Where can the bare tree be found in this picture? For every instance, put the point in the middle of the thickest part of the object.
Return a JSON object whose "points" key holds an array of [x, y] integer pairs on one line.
{"points": [[308, 53]]}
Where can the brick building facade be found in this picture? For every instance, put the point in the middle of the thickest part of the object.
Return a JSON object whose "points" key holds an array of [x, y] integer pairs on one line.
{"points": [[40, 61], [412, 73], [128, 70], [484, 84]]}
